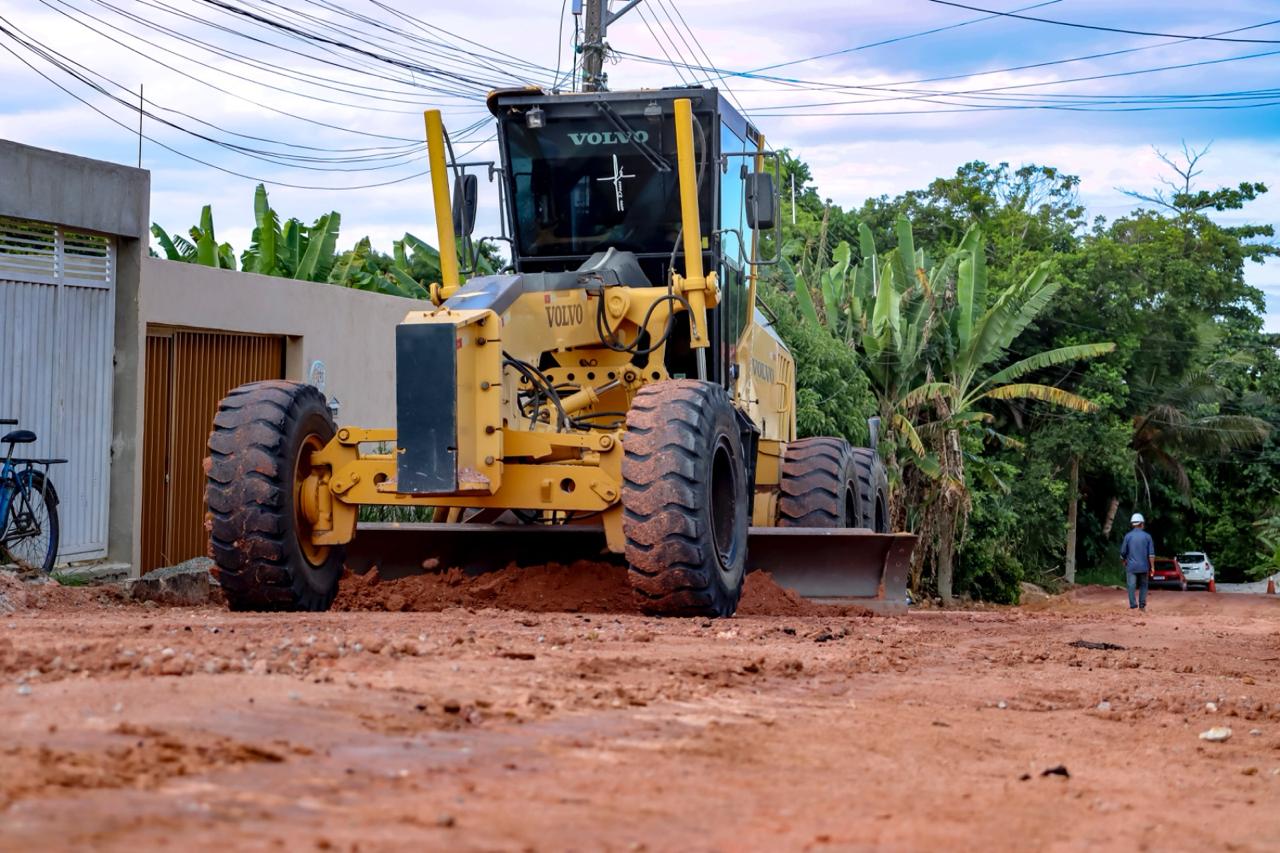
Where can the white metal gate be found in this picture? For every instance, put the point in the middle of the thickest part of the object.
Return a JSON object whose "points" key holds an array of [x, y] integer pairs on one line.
{"points": [[57, 332]]}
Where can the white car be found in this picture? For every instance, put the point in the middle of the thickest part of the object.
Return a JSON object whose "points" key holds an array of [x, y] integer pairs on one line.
{"points": [[1197, 568]]}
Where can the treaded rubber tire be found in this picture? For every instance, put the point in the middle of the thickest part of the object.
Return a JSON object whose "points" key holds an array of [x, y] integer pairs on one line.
{"points": [[684, 500], [257, 435], [873, 489], [36, 481], [819, 485]]}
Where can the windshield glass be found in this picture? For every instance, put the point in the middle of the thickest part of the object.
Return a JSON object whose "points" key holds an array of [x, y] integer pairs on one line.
{"points": [[582, 185], [1194, 557]]}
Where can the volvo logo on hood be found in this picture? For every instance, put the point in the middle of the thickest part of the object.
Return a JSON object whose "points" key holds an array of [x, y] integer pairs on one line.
{"points": [[609, 137]]}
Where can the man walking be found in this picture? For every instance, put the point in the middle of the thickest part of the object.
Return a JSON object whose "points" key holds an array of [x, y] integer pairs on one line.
{"points": [[1139, 555]]}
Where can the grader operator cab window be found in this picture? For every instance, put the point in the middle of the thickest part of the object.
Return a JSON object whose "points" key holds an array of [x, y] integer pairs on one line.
{"points": [[735, 238], [581, 186]]}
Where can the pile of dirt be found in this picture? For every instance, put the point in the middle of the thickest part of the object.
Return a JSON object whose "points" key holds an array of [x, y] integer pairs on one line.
{"points": [[19, 593], [583, 586], [763, 596]]}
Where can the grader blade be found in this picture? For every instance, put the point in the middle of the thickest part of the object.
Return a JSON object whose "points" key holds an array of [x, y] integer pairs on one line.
{"points": [[836, 565], [400, 550], [830, 566]]}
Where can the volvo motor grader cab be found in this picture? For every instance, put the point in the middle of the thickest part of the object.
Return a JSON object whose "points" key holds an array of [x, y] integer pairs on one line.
{"points": [[617, 390]]}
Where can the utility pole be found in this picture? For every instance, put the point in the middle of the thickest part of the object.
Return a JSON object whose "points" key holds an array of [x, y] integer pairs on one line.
{"points": [[596, 19], [140, 108], [594, 27], [1073, 509]]}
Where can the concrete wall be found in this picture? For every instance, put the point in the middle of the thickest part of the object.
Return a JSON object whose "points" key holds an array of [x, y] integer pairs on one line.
{"points": [[351, 331], [84, 194], [92, 195]]}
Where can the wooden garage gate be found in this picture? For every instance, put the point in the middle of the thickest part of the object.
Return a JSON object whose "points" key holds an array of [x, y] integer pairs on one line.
{"points": [[188, 373]]}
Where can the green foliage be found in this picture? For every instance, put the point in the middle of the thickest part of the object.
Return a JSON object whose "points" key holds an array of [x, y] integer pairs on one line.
{"points": [[832, 394], [1111, 574], [291, 249], [203, 248], [1006, 309]]}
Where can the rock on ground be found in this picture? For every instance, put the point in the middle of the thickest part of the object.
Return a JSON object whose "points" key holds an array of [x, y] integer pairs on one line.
{"points": [[1030, 593], [187, 584]]}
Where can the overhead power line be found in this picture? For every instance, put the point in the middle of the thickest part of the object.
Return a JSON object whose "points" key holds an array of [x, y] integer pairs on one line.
{"points": [[1100, 28], [893, 39], [150, 56], [724, 84], [191, 157], [327, 84], [678, 67], [259, 145]]}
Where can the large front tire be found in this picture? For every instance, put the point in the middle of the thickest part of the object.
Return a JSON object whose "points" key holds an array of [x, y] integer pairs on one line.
{"points": [[259, 455], [684, 500]]}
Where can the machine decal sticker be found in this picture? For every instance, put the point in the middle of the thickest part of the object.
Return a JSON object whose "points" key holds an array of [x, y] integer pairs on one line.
{"points": [[617, 178]]}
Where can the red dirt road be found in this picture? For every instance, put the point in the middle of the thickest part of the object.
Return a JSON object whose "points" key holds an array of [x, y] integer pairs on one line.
{"points": [[132, 728]]}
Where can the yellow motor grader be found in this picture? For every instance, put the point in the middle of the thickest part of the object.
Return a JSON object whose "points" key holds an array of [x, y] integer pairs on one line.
{"points": [[617, 391]]}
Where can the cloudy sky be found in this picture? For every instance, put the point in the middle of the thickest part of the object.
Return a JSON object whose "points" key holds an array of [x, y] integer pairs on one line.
{"points": [[879, 97]]}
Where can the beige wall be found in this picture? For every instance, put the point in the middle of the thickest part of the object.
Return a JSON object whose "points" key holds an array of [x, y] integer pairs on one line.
{"points": [[351, 331]]}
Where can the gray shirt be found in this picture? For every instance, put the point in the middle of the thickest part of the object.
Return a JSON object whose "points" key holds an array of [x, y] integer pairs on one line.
{"points": [[1137, 551]]}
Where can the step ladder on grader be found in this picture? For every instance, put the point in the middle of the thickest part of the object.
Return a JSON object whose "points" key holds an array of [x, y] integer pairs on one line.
{"points": [[617, 393]]}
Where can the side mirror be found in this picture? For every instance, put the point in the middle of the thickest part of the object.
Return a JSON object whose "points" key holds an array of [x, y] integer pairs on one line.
{"points": [[466, 194], [761, 202]]}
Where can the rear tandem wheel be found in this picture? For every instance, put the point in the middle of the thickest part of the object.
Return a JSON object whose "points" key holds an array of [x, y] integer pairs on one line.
{"points": [[828, 483], [259, 456], [684, 500]]}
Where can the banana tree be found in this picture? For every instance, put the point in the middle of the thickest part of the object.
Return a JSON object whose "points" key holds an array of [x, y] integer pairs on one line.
{"points": [[291, 249], [979, 332], [930, 335], [883, 306], [203, 248], [176, 247], [844, 288]]}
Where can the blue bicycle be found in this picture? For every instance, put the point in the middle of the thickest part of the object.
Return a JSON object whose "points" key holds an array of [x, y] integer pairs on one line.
{"points": [[28, 507]]}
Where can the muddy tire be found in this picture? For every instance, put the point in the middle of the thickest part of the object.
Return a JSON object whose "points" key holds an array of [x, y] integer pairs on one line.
{"points": [[873, 490], [258, 455], [684, 500], [819, 485]]}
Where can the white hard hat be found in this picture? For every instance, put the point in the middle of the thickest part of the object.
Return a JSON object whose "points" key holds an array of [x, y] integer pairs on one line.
{"points": [[1137, 519]]}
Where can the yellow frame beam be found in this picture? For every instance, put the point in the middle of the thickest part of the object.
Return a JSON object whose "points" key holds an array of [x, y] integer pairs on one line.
{"points": [[440, 198], [694, 286]]}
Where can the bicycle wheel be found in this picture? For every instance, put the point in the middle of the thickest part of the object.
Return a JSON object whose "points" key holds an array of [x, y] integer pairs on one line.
{"points": [[30, 539]]}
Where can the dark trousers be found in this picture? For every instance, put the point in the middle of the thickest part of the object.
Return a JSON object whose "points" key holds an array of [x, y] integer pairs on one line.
{"points": [[1138, 581]]}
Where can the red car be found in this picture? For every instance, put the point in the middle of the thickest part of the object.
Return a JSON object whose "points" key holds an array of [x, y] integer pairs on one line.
{"points": [[1167, 572]]}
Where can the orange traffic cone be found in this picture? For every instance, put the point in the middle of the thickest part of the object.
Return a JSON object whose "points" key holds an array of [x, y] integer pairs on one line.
{"points": [[1213, 587], [1271, 586]]}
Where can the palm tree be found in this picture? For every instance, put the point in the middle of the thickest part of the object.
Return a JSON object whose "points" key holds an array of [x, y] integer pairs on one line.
{"points": [[1186, 421]]}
